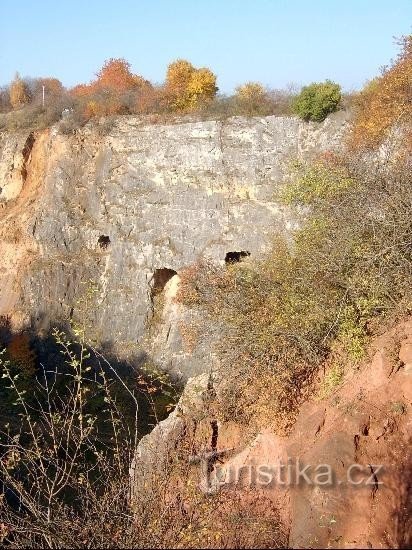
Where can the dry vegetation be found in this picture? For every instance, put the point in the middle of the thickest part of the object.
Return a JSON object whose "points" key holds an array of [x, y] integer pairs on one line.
{"points": [[349, 266], [67, 438], [348, 271], [385, 103]]}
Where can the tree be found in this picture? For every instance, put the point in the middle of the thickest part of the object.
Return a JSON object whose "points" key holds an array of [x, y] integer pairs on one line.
{"points": [[53, 90], [114, 91], [116, 75], [202, 86], [19, 92], [52, 86], [21, 355], [188, 87], [252, 99], [385, 101], [178, 76], [316, 101]]}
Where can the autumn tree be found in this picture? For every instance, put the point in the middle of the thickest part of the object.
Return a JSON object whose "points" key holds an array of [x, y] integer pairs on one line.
{"points": [[19, 92], [202, 86], [115, 75], [21, 363], [188, 87], [252, 99], [385, 101], [149, 100], [20, 353], [178, 76], [52, 86], [54, 93], [113, 92]]}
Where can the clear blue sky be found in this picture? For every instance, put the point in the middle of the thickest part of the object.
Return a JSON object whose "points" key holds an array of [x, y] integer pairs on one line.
{"points": [[272, 41]]}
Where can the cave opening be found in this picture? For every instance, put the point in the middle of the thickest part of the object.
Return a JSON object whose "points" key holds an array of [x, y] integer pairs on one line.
{"points": [[160, 279], [103, 241], [234, 257]]}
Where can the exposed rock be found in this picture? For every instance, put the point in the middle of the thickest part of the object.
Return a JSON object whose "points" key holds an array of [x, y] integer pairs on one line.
{"points": [[115, 208], [154, 450]]}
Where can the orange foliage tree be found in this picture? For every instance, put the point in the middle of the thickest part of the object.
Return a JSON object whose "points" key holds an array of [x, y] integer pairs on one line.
{"points": [[113, 91], [115, 75], [385, 102]]}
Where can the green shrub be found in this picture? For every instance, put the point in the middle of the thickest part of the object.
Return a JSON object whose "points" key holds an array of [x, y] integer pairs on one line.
{"points": [[316, 101]]}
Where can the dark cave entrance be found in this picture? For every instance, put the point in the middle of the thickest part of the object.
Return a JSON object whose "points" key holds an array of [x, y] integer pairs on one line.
{"points": [[234, 257], [160, 278], [103, 241]]}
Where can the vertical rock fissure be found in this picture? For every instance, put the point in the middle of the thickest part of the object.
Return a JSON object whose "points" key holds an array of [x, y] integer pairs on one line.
{"points": [[26, 152]]}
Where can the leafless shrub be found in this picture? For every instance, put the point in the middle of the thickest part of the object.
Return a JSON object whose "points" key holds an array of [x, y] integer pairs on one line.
{"points": [[66, 447]]}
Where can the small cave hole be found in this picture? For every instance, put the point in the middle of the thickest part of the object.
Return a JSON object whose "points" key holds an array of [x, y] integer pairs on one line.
{"points": [[103, 241], [365, 430], [234, 257], [160, 278]]}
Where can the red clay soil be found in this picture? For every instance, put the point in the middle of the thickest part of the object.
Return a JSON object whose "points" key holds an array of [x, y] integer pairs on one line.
{"points": [[363, 432]]}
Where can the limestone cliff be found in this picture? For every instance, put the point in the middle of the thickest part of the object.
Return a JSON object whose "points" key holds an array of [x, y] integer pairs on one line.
{"points": [[98, 226], [124, 206]]}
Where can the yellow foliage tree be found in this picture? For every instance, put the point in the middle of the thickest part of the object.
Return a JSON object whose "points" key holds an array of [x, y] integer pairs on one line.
{"points": [[188, 87], [252, 99], [19, 92], [201, 87], [178, 76], [385, 101]]}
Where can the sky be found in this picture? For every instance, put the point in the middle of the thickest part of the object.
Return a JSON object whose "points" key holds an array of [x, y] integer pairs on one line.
{"points": [[276, 42]]}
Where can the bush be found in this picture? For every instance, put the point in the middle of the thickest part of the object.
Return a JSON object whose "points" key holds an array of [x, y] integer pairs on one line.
{"points": [[349, 266], [385, 102], [316, 101], [67, 438], [252, 100]]}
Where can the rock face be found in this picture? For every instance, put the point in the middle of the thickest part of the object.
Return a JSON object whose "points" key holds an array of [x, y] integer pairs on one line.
{"points": [[109, 207]]}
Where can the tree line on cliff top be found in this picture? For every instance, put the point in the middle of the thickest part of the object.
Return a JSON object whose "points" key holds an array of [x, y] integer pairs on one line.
{"points": [[116, 90]]}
